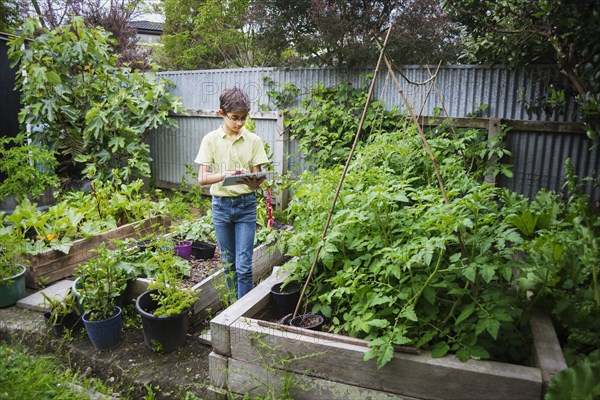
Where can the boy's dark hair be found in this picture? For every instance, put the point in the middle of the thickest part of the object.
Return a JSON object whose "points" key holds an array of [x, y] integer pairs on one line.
{"points": [[234, 99]]}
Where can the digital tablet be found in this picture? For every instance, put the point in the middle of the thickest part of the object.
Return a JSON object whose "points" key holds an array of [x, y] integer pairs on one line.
{"points": [[238, 179]]}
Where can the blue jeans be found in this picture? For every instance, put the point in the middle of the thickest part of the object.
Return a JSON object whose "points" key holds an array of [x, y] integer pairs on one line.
{"points": [[234, 219]]}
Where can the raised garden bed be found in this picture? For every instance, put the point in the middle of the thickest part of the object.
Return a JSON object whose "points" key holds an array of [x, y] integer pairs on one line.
{"points": [[248, 353], [212, 289], [53, 265]]}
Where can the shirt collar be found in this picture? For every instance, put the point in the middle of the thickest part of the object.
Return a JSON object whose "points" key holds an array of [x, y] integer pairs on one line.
{"points": [[242, 134]]}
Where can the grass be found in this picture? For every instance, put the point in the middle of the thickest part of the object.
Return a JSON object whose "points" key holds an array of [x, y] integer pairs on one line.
{"points": [[25, 376]]}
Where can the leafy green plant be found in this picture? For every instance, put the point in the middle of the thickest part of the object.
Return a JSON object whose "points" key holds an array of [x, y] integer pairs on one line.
{"points": [[90, 110], [29, 168], [189, 199], [399, 265], [200, 229], [61, 307], [11, 246], [327, 120], [82, 214], [171, 296], [561, 255], [281, 96], [577, 382], [103, 280]]}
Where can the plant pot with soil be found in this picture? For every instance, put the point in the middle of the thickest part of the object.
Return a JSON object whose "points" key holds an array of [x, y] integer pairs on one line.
{"points": [[104, 327], [12, 274], [308, 321], [103, 282], [165, 307]]}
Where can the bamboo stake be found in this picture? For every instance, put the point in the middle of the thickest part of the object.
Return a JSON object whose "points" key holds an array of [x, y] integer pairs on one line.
{"points": [[339, 186], [419, 128]]}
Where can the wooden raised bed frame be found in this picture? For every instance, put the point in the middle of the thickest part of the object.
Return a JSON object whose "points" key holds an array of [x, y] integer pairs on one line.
{"points": [[331, 366], [53, 265]]}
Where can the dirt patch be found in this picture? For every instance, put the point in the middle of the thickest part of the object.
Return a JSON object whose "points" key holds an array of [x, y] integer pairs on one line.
{"points": [[201, 269], [131, 368]]}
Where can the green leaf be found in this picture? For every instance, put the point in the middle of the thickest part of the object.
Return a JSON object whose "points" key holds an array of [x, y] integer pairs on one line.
{"points": [[440, 349], [466, 313], [53, 77], [408, 312], [378, 323]]}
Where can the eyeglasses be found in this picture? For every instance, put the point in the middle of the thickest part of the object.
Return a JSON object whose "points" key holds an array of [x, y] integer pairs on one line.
{"points": [[237, 119]]}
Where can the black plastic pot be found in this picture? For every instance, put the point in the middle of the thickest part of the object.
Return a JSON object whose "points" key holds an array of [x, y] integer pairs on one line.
{"points": [[70, 321], [147, 244], [161, 334], [308, 321], [285, 300], [203, 250]]}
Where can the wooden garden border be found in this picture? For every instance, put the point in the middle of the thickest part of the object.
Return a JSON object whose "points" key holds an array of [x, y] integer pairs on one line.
{"points": [[53, 265], [332, 365]]}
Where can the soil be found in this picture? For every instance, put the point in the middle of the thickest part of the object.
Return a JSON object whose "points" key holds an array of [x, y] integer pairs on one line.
{"points": [[308, 321], [202, 268]]}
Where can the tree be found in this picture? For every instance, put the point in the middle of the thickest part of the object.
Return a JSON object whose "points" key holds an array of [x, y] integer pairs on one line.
{"points": [[520, 32], [79, 102], [10, 15], [209, 34], [246, 33], [112, 15], [341, 33]]}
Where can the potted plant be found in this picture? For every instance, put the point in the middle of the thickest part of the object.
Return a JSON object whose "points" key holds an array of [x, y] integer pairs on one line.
{"points": [[165, 306], [12, 274], [64, 313], [102, 283], [201, 233]]}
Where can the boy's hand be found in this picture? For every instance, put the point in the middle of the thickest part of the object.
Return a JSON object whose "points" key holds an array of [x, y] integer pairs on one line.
{"points": [[253, 182]]}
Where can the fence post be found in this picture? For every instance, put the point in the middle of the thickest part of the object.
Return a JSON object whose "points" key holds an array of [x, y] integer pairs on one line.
{"points": [[493, 130]]}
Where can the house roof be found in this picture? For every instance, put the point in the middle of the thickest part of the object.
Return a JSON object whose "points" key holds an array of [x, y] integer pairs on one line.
{"points": [[147, 27]]}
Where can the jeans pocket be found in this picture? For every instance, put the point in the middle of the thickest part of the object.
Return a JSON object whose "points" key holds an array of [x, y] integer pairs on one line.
{"points": [[217, 204]]}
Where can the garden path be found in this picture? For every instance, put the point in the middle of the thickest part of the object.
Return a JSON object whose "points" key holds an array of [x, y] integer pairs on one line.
{"points": [[131, 368]]}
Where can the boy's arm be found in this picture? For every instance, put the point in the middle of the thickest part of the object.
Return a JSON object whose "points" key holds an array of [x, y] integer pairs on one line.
{"points": [[207, 177]]}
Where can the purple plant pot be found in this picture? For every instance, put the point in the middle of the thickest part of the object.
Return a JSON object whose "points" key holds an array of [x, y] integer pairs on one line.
{"points": [[183, 248]]}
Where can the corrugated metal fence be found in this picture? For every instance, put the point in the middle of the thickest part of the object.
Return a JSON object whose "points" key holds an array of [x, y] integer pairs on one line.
{"points": [[460, 90]]}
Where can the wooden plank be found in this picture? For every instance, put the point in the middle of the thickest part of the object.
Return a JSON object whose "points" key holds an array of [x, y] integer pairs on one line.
{"points": [[213, 288], [545, 126], [548, 354], [217, 370], [254, 380], [194, 112], [330, 336], [254, 301], [516, 125], [52, 265], [406, 374]]}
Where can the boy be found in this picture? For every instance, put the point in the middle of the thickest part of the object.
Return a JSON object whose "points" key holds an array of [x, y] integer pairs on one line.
{"points": [[231, 150]]}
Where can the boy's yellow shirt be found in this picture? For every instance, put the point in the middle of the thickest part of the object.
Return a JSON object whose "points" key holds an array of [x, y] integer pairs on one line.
{"points": [[223, 154]]}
